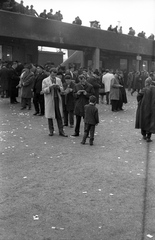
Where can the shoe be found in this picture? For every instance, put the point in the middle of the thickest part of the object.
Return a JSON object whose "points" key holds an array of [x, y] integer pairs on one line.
{"points": [[40, 114], [144, 137], [82, 142], [148, 140], [91, 143], [23, 108], [75, 135], [63, 135], [16, 102], [50, 134], [71, 126], [36, 113], [65, 125]]}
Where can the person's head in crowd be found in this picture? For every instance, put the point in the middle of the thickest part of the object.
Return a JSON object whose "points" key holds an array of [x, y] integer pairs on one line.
{"points": [[60, 75], [92, 99], [68, 79], [14, 64], [53, 72], [82, 79], [39, 69]]}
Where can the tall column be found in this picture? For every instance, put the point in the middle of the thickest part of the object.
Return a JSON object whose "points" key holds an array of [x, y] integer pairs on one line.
{"points": [[96, 59]]}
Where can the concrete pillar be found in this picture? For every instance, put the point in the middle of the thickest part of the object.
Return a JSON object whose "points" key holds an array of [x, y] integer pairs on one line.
{"points": [[96, 59]]}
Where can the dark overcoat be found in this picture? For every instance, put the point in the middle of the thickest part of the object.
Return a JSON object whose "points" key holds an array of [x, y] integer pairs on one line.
{"points": [[4, 78], [68, 99], [95, 83], [13, 82], [145, 114], [81, 100], [91, 114]]}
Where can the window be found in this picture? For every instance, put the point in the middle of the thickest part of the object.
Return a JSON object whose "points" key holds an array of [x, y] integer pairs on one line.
{"points": [[123, 64]]}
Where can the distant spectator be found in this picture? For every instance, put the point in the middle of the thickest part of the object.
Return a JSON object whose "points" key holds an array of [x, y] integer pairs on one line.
{"points": [[27, 10], [120, 30], [50, 14], [115, 29], [33, 11], [151, 37], [131, 31], [77, 21], [7, 6], [141, 34], [20, 7], [110, 28], [43, 14], [58, 16]]}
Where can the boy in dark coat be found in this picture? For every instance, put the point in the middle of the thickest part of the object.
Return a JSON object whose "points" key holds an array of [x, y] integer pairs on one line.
{"points": [[91, 119]]}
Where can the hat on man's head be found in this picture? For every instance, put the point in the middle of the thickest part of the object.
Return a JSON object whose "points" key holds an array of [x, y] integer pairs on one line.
{"points": [[68, 76], [28, 66], [54, 70], [92, 99], [82, 76], [40, 66]]}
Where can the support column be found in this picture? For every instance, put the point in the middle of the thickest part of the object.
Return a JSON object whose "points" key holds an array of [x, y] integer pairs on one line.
{"points": [[96, 59]]}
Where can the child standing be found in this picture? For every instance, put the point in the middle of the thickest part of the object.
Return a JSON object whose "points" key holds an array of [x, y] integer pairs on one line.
{"points": [[91, 118]]}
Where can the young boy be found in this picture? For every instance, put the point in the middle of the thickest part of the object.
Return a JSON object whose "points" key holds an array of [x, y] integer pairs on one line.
{"points": [[91, 118]]}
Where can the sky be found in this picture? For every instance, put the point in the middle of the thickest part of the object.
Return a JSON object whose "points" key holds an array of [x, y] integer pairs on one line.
{"points": [[138, 14]]}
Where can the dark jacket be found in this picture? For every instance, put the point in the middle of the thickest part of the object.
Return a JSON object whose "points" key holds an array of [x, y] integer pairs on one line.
{"points": [[13, 82], [81, 100], [95, 83], [38, 82], [68, 99], [4, 78], [145, 114], [91, 114]]}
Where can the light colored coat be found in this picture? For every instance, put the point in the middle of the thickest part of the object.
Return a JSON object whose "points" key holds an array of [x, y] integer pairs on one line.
{"points": [[49, 96], [106, 80], [114, 89]]}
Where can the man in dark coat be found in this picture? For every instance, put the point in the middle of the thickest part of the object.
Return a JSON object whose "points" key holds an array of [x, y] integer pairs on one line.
{"points": [[13, 83], [83, 90], [145, 115], [68, 101], [38, 99], [94, 81], [4, 80]]}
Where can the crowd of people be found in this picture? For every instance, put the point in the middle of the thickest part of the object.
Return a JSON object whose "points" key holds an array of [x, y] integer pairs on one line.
{"points": [[56, 92], [13, 6]]}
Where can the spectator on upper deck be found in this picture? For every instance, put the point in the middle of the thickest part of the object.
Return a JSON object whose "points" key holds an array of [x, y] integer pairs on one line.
{"points": [[151, 37], [131, 31], [27, 10], [33, 12], [58, 16], [43, 14], [20, 8], [141, 34], [115, 29], [50, 14], [77, 21], [110, 28], [120, 30], [7, 6]]}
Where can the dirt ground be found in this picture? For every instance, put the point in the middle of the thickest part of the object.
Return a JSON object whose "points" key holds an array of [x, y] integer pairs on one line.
{"points": [[54, 188]]}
